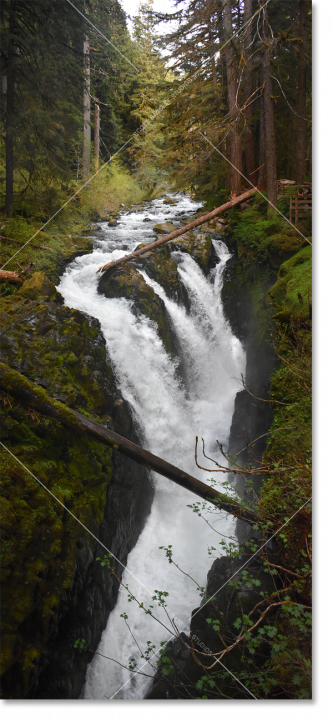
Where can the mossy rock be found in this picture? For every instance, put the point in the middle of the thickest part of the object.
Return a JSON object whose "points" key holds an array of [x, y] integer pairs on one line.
{"points": [[291, 295], [198, 245], [160, 266], [61, 351], [39, 286], [164, 228], [169, 201], [53, 346], [127, 282]]}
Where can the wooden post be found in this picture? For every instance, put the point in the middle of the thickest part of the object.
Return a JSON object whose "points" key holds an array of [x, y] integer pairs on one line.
{"points": [[86, 112], [96, 136]]}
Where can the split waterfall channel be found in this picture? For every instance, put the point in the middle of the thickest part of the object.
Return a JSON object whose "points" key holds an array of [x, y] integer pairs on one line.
{"points": [[169, 408]]}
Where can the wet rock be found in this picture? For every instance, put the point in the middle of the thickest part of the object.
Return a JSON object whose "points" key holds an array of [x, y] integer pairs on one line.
{"points": [[39, 286], [112, 223], [164, 228], [126, 281], [198, 245], [169, 201]]}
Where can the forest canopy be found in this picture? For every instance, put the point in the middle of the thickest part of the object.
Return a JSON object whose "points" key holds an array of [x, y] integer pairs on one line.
{"points": [[237, 73]]}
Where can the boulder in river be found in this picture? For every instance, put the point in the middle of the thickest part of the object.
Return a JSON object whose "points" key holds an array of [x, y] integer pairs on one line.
{"points": [[164, 228], [126, 281], [169, 201], [112, 222]]}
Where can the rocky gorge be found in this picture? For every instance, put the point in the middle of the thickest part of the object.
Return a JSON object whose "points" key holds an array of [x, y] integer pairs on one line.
{"points": [[67, 594]]}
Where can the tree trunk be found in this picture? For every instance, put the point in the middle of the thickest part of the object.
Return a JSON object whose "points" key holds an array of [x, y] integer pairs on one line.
{"points": [[176, 233], [234, 141], [33, 396], [250, 161], [10, 114], [262, 179], [301, 105], [86, 113], [214, 73], [269, 123], [96, 136]]}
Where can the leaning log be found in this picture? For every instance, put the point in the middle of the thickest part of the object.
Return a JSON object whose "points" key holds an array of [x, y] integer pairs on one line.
{"points": [[176, 233], [36, 397]]}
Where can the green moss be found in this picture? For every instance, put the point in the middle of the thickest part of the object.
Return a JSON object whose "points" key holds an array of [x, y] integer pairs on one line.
{"points": [[53, 346], [291, 294], [165, 228], [196, 244], [39, 286]]}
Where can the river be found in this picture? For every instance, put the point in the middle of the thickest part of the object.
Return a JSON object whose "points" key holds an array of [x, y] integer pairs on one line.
{"points": [[169, 412]]}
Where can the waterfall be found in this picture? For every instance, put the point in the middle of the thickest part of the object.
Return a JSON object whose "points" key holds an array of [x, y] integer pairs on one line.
{"points": [[170, 414]]}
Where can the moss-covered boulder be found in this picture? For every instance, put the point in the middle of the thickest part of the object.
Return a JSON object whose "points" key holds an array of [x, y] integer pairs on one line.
{"points": [[38, 286], [160, 266], [198, 245], [164, 228], [169, 201], [126, 281], [291, 295]]}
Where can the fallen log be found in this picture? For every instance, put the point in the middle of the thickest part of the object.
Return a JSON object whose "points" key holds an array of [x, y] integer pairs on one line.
{"points": [[15, 277], [33, 245], [11, 277], [36, 397], [176, 233]]}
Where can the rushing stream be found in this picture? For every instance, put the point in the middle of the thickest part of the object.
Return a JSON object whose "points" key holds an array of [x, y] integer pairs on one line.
{"points": [[169, 413]]}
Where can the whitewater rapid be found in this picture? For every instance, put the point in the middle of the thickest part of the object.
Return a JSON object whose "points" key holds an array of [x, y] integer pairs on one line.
{"points": [[169, 413]]}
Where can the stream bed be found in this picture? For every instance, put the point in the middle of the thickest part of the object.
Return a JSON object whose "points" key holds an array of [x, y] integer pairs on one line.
{"points": [[170, 409]]}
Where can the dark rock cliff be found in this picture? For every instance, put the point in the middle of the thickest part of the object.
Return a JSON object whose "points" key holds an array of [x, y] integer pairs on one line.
{"points": [[54, 591]]}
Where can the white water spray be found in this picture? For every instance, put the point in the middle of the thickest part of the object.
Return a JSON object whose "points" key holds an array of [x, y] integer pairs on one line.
{"points": [[170, 415]]}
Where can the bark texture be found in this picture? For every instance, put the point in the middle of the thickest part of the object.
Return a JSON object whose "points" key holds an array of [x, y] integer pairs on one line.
{"points": [[86, 112], [250, 161], [10, 115], [269, 123], [301, 105], [234, 142]]}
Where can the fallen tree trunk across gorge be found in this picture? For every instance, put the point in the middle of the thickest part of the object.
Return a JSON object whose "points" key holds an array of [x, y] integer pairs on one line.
{"points": [[176, 233], [36, 397]]}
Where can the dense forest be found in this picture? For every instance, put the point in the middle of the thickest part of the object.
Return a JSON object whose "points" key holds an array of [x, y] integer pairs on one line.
{"points": [[213, 100]]}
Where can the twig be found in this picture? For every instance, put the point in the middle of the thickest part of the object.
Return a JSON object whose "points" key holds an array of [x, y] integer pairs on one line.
{"points": [[258, 398], [18, 242]]}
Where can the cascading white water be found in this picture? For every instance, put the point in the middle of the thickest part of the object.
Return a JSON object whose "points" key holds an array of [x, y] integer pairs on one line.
{"points": [[170, 414]]}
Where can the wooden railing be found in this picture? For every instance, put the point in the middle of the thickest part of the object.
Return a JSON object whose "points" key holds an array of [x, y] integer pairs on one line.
{"points": [[300, 203]]}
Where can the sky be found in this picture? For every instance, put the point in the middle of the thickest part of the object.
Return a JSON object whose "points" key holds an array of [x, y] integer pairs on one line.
{"points": [[166, 6]]}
